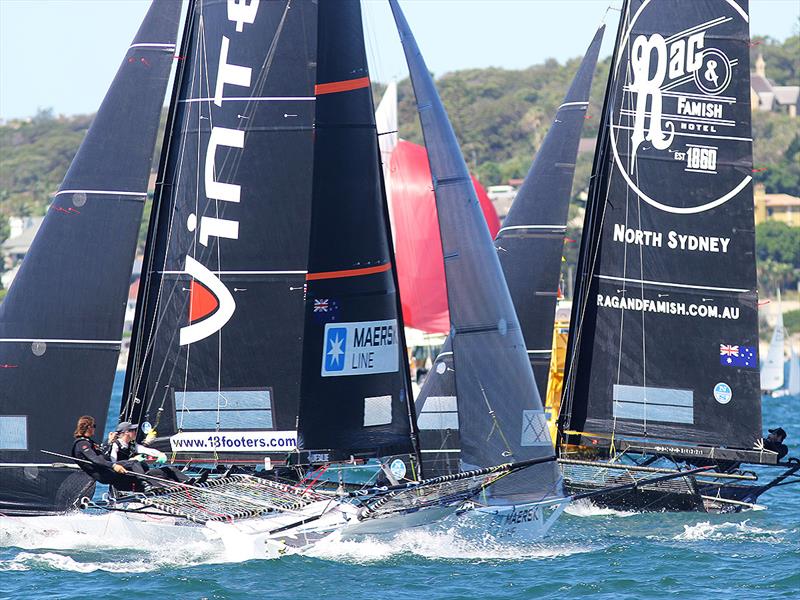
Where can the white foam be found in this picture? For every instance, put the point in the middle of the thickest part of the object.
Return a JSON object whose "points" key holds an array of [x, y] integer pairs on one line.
{"points": [[743, 531], [587, 508], [451, 544]]}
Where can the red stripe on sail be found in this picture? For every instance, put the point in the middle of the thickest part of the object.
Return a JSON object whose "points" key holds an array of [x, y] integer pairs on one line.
{"points": [[348, 272], [341, 86]]}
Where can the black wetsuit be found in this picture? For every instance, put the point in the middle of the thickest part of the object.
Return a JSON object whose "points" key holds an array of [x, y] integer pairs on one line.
{"points": [[776, 446], [101, 469], [125, 453]]}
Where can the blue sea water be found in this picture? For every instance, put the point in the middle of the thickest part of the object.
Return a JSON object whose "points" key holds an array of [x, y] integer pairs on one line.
{"points": [[589, 553]]}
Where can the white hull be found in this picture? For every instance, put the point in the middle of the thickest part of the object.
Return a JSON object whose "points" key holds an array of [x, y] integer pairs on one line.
{"points": [[515, 523]]}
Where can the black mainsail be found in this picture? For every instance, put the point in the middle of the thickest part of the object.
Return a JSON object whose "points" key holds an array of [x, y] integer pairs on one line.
{"points": [[355, 393], [665, 325], [61, 322], [216, 358], [499, 410], [529, 247]]}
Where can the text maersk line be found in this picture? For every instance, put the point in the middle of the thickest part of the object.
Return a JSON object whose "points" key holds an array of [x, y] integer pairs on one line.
{"points": [[233, 441]]}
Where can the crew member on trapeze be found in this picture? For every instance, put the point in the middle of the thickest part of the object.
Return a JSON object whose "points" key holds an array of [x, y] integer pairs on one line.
{"points": [[123, 447]]}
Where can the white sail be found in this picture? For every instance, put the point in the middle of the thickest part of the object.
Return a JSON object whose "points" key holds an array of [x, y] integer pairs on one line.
{"points": [[794, 374], [772, 369]]}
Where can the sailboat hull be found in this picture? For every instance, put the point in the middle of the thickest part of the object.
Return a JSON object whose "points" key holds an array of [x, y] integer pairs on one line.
{"points": [[514, 523]]}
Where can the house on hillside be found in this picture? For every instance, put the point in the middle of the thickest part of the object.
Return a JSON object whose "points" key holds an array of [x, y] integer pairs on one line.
{"points": [[776, 207], [14, 249], [764, 96]]}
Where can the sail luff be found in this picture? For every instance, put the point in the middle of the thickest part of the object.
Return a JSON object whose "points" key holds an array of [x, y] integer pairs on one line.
{"points": [[61, 322], [500, 413]]}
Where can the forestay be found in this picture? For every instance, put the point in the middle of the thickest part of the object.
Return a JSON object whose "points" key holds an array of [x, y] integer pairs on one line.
{"points": [[61, 322], [665, 326]]}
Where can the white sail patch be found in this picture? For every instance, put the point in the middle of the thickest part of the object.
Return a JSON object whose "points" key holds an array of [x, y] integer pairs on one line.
{"points": [[534, 429], [362, 348], [639, 403]]}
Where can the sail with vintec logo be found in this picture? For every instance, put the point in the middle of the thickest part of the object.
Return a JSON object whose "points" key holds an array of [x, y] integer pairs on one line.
{"points": [[61, 322], [664, 332], [217, 351]]}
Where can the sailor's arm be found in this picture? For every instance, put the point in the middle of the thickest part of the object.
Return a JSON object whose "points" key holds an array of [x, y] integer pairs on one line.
{"points": [[87, 452]]}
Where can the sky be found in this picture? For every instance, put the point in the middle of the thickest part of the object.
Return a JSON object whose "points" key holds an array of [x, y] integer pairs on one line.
{"points": [[63, 54]]}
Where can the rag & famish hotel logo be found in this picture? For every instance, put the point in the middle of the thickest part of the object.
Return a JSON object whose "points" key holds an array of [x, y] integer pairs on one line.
{"points": [[677, 101]]}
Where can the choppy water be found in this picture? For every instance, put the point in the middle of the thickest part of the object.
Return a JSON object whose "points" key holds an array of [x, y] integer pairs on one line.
{"points": [[589, 553]]}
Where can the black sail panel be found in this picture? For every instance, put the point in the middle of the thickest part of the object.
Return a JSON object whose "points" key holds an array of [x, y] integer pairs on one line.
{"points": [[500, 412], [531, 240], [529, 248], [667, 344], [355, 391], [61, 322], [216, 365]]}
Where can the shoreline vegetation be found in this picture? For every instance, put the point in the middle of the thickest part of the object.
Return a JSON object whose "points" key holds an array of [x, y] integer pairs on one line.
{"points": [[501, 117]]}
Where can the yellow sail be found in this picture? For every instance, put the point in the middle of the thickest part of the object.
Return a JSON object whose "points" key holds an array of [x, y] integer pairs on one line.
{"points": [[555, 379]]}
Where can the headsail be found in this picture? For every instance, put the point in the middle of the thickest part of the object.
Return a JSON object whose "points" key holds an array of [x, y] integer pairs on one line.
{"points": [[529, 248], [215, 362], [61, 322], [500, 413], [355, 394], [772, 375], [665, 324]]}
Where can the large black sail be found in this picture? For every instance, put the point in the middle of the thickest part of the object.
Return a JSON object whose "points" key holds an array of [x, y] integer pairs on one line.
{"points": [[355, 391], [529, 248], [61, 322], [499, 410], [217, 350], [531, 241], [667, 326]]}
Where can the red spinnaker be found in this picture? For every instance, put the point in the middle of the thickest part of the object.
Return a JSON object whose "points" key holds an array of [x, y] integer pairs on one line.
{"points": [[418, 247]]}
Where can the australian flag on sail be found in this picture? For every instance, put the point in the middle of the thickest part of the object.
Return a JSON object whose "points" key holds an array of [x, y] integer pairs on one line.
{"points": [[737, 356]]}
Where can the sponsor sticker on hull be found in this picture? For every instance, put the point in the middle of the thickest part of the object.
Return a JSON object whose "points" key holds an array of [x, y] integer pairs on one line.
{"points": [[361, 348]]}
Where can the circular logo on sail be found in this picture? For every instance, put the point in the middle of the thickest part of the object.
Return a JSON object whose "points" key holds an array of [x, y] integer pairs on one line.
{"points": [[680, 112], [723, 393], [398, 468]]}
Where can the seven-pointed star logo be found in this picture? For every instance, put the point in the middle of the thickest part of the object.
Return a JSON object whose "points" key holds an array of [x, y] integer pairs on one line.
{"points": [[335, 350]]}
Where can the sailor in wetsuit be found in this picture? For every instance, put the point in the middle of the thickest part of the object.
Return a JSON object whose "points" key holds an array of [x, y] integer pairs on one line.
{"points": [[120, 475], [124, 447], [774, 442]]}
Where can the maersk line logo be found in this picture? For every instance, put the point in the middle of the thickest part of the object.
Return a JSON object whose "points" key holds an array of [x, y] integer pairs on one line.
{"points": [[362, 348]]}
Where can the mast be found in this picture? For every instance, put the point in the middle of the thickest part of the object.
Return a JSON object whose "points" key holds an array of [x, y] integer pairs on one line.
{"points": [[666, 328], [217, 366], [500, 413], [61, 322], [355, 393], [529, 247]]}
